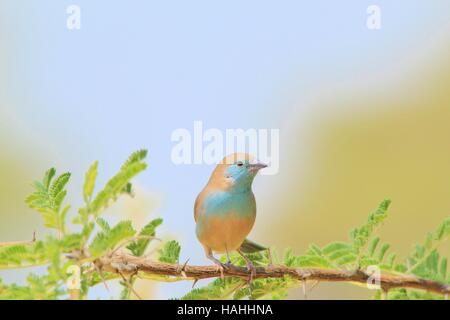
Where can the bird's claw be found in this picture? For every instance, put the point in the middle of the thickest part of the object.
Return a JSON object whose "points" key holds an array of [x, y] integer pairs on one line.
{"points": [[221, 268]]}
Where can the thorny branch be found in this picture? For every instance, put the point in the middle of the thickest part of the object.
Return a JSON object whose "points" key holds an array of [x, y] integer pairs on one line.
{"points": [[15, 243], [125, 264]]}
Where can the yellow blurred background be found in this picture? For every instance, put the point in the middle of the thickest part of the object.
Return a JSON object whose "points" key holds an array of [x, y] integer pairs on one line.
{"points": [[67, 99], [389, 143]]}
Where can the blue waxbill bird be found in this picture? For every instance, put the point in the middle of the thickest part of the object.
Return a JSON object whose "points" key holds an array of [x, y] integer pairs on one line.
{"points": [[225, 210]]}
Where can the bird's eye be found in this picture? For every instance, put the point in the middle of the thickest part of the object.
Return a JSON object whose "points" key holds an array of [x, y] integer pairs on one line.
{"points": [[239, 164]]}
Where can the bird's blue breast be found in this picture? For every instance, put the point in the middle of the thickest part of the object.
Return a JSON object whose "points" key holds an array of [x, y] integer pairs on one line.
{"points": [[223, 203]]}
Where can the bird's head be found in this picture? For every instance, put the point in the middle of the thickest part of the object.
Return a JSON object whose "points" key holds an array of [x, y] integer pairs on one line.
{"points": [[236, 171]]}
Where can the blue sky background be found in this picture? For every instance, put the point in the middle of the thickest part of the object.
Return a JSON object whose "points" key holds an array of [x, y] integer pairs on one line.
{"points": [[137, 70]]}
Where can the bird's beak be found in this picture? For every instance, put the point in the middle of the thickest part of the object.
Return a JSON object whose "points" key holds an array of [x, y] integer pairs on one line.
{"points": [[256, 166]]}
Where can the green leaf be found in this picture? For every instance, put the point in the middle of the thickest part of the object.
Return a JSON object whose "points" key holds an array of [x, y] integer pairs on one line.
{"points": [[314, 249], [443, 268], [420, 251], [217, 289], [36, 288], [339, 254], [59, 184], [422, 260], [310, 261], [138, 247], [71, 242], [58, 200], [170, 252], [432, 262], [128, 189], [383, 251], [373, 246], [335, 246], [135, 157], [49, 174], [361, 236], [48, 198], [103, 224], [22, 255], [443, 230], [429, 241], [390, 260], [368, 261], [115, 186], [347, 259], [89, 181], [107, 240]]}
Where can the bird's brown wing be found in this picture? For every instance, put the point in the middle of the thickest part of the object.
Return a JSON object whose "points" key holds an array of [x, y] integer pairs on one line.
{"points": [[196, 208], [249, 246]]}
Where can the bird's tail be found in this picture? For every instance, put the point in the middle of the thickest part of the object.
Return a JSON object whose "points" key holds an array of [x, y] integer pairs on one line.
{"points": [[249, 246]]}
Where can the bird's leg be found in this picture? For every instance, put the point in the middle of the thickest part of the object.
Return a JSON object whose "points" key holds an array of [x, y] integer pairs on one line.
{"points": [[250, 266], [220, 265], [228, 264], [228, 258]]}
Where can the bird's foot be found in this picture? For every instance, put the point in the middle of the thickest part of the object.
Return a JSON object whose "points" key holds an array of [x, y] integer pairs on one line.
{"points": [[250, 267], [228, 265], [221, 267]]}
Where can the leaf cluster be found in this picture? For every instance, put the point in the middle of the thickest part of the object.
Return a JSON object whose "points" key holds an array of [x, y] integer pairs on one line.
{"points": [[58, 252]]}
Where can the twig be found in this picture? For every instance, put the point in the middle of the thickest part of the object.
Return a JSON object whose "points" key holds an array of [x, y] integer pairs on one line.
{"points": [[128, 283], [314, 285], [305, 296], [182, 269], [102, 276], [384, 294], [16, 243], [188, 272]]}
